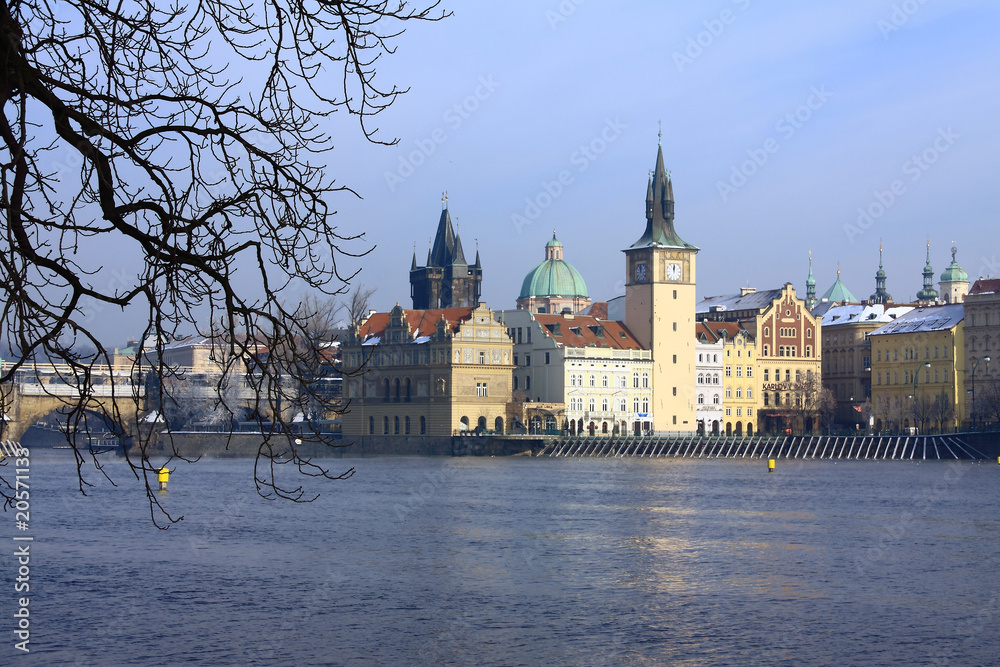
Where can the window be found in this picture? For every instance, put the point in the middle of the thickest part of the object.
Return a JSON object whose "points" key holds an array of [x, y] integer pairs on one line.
{"points": [[729, 371], [593, 380], [515, 360], [645, 404], [701, 378], [635, 380], [407, 431], [371, 426], [635, 404], [739, 412], [716, 399], [675, 326], [739, 371], [729, 411], [749, 371], [593, 404], [527, 359], [749, 392], [749, 412], [675, 294], [604, 405], [675, 391], [622, 382], [701, 399], [739, 392], [729, 392], [766, 373], [675, 358], [604, 380], [385, 426], [715, 379], [546, 357], [515, 382], [622, 405], [423, 425], [645, 380], [481, 390], [527, 383]]}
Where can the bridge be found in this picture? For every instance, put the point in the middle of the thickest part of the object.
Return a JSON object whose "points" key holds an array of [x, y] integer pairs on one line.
{"points": [[35, 393]]}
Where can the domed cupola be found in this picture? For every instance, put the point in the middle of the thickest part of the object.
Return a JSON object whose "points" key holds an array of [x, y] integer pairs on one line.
{"points": [[554, 285], [954, 281]]}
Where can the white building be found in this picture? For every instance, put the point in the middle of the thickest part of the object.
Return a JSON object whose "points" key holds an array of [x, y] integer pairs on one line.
{"points": [[580, 374]]}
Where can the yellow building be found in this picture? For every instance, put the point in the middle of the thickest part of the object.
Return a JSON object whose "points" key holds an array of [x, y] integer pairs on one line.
{"points": [[918, 370], [660, 303], [741, 397], [787, 354], [427, 372]]}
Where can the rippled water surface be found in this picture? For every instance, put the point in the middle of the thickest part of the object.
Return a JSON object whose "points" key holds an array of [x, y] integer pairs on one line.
{"points": [[520, 562]]}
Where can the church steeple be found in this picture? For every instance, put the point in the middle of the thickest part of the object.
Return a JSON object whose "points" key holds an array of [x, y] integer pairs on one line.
{"points": [[880, 295], [660, 210], [928, 294], [811, 299]]}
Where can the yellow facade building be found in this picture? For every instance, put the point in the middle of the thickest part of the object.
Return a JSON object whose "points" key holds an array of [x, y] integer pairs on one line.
{"points": [[918, 370], [427, 372], [660, 303]]}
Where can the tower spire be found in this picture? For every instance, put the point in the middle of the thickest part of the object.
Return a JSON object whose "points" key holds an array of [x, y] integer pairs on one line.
{"points": [[928, 294], [880, 295], [811, 299], [660, 209]]}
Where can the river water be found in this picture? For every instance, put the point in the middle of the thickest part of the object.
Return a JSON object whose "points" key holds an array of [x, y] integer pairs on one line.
{"points": [[518, 561]]}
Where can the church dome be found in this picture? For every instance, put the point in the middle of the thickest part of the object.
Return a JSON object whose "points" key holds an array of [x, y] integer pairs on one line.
{"points": [[554, 277], [954, 272]]}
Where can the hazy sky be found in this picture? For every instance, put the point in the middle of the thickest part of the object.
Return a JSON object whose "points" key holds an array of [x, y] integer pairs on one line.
{"points": [[788, 127], [890, 107]]}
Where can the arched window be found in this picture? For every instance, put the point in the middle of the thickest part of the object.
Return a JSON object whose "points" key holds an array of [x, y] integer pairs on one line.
{"points": [[645, 404], [604, 380], [593, 404], [385, 426], [701, 399], [635, 380], [716, 399], [729, 392], [635, 404], [604, 405], [593, 380], [739, 392], [645, 380], [407, 431]]}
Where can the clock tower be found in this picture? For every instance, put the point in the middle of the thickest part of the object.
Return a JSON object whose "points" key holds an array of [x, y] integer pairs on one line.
{"points": [[660, 305]]}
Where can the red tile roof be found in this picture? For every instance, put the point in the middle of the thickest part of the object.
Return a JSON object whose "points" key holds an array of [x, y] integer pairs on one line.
{"points": [[985, 286], [421, 322], [586, 331], [713, 331]]}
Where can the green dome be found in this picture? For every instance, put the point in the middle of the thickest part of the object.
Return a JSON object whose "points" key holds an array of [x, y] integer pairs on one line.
{"points": [[554, 243], [954, 272], [553, 277]]}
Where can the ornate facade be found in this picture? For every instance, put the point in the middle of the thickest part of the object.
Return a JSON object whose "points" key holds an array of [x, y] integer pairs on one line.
{"points": [[427, 372]]}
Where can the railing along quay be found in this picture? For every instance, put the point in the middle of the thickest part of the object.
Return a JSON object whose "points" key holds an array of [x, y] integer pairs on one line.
{"points": [[872, 447]]}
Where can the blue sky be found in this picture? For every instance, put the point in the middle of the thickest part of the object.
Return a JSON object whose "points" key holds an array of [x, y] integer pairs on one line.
{"points": [[830, 104]]}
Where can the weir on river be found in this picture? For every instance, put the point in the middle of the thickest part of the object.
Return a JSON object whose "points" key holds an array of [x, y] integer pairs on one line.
{"points": [[875, 447]]}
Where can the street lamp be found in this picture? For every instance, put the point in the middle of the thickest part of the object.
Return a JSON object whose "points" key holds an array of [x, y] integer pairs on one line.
{"points": [[985, 358]]}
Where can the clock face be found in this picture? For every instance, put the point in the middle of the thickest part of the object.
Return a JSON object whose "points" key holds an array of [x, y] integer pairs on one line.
{"points": [[674, 271], [640, 273]]}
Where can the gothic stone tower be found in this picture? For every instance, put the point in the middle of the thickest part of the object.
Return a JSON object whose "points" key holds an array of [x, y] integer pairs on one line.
{"points": [[447, 280], [660, 305]]}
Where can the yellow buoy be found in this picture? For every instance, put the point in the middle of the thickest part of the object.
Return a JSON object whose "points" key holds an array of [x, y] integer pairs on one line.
{"points": [[163, 476], [770, 465]]}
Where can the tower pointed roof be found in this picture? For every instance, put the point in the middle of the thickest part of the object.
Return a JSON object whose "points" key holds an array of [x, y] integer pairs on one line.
{"points": [[458, 255], [444, 240], [880, 295], [928, 293], [660, 211], [838, 292], [811, 299]]}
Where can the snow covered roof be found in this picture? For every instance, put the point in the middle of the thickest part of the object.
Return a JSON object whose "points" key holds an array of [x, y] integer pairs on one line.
{"points": [[931, 318]]}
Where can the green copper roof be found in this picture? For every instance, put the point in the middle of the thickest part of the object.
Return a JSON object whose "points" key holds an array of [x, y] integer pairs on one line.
{"points": [[554, 243], [954, 272], [553, 277], [839, 292]]}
